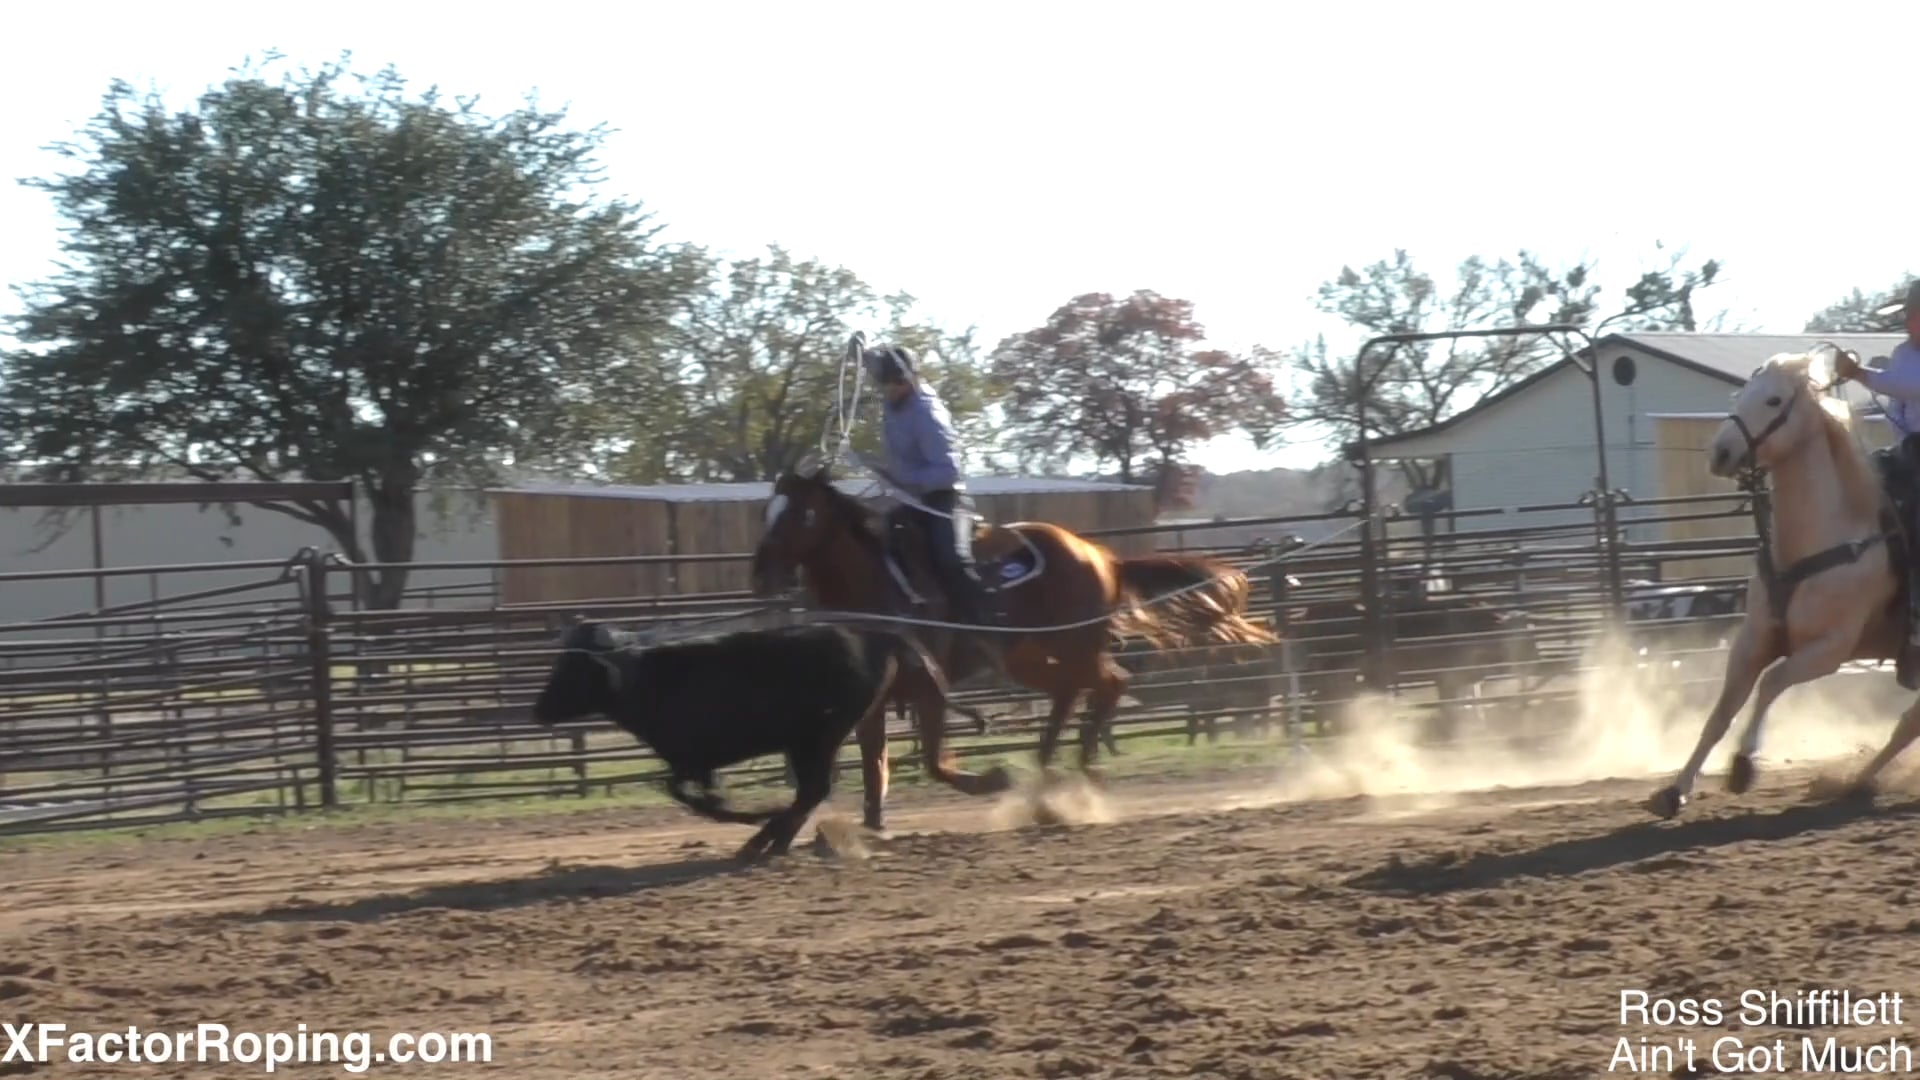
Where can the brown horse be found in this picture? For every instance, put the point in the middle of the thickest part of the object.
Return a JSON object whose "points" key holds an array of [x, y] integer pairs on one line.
{"points": [[1061, 597], [1826, 590]]}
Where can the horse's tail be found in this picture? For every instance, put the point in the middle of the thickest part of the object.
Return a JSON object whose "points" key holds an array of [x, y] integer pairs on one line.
{"points": [[1187, 601]]}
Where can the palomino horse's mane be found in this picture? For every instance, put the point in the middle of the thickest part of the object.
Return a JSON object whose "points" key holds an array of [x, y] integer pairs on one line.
{"points": [[1856, 476], [1857, 483]]}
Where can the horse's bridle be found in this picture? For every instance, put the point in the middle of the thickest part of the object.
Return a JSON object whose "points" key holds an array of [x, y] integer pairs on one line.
{"points": [[1752, 458], [1781, 583]]}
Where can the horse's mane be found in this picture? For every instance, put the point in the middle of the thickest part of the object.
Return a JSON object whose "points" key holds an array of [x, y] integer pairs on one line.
{"points": [[1858, 487], [1857, 483], [859, 518]]}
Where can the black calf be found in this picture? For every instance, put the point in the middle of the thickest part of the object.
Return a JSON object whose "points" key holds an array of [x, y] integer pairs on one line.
{"points": [[706, 704]]}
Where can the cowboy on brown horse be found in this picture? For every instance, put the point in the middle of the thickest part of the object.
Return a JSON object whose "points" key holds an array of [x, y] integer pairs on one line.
{"points": [[923, 460]]}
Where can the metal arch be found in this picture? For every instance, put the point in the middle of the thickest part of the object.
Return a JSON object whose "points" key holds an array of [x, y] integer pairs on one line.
{"points": [[1379, 658]]}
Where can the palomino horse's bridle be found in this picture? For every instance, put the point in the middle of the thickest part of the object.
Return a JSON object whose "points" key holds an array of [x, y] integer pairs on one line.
{"points": [[1781, 583]]}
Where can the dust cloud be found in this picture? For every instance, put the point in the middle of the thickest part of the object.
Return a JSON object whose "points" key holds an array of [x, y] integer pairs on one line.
{"points": [[1065, 799], [837, 836], [1630, 717]]}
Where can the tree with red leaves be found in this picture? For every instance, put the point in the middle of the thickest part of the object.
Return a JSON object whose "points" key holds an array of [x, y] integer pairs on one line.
{"points": [[1130, 383]]}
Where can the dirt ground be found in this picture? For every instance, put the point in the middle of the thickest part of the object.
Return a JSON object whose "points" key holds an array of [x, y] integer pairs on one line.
{"points": [[1203, 931]]}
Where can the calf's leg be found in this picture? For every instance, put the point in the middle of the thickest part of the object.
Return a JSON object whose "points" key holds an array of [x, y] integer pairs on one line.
{"points": [[814, 766], [813, 763], [708, 803]]}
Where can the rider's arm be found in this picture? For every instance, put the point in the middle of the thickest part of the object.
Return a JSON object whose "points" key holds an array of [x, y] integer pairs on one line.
{"points": [[1899, 379], [935, 441]]}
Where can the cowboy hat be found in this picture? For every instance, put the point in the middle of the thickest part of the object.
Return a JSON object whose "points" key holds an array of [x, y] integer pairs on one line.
{"points": [[1902, 307]]}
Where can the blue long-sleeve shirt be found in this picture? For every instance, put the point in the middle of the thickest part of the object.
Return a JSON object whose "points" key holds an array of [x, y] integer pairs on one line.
{"points": [[922, 451], [1899, 381]]}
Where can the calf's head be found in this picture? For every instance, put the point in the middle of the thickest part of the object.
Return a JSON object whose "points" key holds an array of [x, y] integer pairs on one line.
{"points": [[586, 676]]}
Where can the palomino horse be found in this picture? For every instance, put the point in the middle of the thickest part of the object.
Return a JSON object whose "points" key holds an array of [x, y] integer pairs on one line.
{"points": [[1060, 597], [1834, 597]]}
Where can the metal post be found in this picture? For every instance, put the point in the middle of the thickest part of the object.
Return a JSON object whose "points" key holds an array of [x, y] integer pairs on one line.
{"points": [[357, 579], [99, 563], [102, 712], [1609, 520], [320, 656], [1373, 656]]}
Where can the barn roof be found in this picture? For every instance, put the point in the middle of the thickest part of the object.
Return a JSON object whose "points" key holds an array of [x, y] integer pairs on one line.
{"points": [[1730, 358], [1734, 356], [761, 490]]}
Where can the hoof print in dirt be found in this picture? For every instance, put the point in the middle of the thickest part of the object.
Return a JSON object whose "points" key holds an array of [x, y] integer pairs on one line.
{"points": [[927, 1022]]}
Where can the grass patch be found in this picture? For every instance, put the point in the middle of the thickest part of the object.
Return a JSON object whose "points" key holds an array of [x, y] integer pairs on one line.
{"points": [[1162, 753]]}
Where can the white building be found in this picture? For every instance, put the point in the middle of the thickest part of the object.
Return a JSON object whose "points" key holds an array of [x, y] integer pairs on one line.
{"points": [[453, 526], [1534, 444]]}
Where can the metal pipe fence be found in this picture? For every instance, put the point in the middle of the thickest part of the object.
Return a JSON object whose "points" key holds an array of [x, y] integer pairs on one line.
{"points": [[274, 692]]}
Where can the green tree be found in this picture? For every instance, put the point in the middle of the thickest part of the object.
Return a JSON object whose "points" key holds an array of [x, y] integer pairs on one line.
{"points": [[1129, 383], [324, 277], [1857, 312], [756, 373], [1413, 386]]}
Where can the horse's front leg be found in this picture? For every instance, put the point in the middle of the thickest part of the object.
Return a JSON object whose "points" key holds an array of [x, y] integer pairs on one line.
{"points": [[1815, 660], [1752, 651]]}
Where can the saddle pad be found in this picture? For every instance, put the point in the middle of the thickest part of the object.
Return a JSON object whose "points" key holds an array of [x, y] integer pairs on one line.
{"points": [[1009, 569]]}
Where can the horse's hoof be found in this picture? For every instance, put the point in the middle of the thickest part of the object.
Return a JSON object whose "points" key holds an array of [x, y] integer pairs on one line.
{"points": [[1835, 790], [1740, 776], [1666, 803], [1860, 794], [873, 821], [998, 779], [1045, 816]]}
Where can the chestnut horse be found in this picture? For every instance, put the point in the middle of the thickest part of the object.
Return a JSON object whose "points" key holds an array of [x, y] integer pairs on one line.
{"points": [[1835, 596], [1061, 597]]}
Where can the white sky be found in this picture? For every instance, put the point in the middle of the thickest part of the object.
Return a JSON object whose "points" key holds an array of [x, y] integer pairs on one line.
{"points": [[996, 158]]}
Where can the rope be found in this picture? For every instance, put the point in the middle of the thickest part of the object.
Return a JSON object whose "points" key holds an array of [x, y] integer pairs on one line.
{"points": [[658, 634], [846, 406]]}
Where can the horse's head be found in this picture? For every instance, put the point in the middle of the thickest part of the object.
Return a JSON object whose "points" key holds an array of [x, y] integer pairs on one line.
{"points": [[801, 518], [1782, 406]]}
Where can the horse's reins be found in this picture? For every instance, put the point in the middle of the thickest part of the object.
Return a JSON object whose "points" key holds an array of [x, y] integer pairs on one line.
{"points": [[1781, 583]]}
